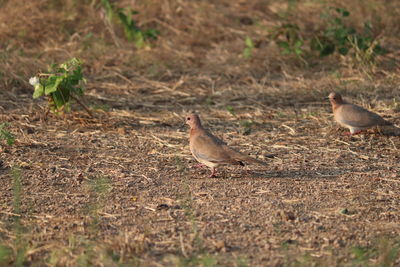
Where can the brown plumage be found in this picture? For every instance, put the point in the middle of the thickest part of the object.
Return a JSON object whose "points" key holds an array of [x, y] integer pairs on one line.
{"points": [[211, 151], [354, 117]]}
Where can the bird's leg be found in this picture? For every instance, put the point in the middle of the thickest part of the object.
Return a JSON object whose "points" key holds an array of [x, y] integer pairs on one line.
{"points": [[212, 172], [350, 133]]}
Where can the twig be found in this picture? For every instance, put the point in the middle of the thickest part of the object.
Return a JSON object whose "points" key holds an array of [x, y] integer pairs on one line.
{"points": [[343, 142], [83, 105], [293, 132], [394, 145], [182, 245]]}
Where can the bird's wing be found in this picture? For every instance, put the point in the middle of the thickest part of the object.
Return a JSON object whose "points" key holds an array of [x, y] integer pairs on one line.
{"points": [[210, 148], [357, 116]]}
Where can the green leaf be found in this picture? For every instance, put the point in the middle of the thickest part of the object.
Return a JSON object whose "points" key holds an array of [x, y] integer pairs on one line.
{"points": [[286, 51], [379, 50], [123, 18], [108, 8], [231, 110], [58, 99], [316, 43], [151, 33], [343, 50], [39, 91], [52, 84], [327, 49], [247, 52], [284, 45], [342, 12], [5, 134], [76, 76], [338, 21], [139, 40], [249, 43], [298, 43], [5, 254], [298, 51], [341, 34], [77, 90]]}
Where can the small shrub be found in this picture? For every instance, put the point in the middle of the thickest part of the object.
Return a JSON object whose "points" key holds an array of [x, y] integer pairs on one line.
{"points": [[288, 38], [6, 135], [132, 31], [248, 50], [5, 254], [342, 38], [336, 37], [61, 84]]}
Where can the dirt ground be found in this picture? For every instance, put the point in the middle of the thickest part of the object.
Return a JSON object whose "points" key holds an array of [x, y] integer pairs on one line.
{"points": [[118, 189]]}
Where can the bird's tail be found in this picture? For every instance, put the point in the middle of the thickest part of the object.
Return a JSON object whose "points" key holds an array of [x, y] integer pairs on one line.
{"points": [[390, 130], [242, 157], [256, 161]]}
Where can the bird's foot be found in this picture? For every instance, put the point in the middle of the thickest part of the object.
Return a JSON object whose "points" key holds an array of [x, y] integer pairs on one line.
{"points": [[350, 133], [212, 175]]}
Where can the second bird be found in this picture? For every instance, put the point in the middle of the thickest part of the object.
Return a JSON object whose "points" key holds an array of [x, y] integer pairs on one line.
{"points": [[354, 117], [211, 151]]}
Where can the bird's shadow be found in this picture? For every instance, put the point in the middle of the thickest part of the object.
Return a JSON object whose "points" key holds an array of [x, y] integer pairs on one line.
{"points": [[325, 174]]}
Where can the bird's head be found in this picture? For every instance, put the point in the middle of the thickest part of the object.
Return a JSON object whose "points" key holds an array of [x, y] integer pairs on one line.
{"points": [[335, 98], [193, 121]]}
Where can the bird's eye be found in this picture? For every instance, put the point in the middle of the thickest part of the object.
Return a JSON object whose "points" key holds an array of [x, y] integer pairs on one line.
{"points": [[188, 119]]}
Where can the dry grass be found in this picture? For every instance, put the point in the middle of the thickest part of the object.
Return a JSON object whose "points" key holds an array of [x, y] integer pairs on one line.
{"points": [[118, 188]]}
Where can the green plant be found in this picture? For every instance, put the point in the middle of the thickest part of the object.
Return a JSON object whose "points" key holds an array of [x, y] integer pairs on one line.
{"points": [[187, 206], [242, 261], [20, 245], [342, 38], [336, 37], [246, 126], [248, 50], [360, 255], [231, 110], [132, 31], [5, 254], [289, 38], [198, 255], [99, 188], [5, 134], [204, 260], [88, 251], [388, 251], [61, 84]]}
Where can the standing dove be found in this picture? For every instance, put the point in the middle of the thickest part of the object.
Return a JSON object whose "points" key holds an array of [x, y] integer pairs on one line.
{"points": [[211, 151], [354, 117]]}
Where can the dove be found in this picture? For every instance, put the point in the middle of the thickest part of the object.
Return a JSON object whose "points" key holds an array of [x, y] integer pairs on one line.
{"points": [[354, 117], [211, 151]]}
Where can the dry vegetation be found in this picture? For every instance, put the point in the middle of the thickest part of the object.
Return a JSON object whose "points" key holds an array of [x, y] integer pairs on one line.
{"points": [[118, 190]]}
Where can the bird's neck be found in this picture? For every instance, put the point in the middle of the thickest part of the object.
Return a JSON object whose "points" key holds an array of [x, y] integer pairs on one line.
{"points": [[196, 130], [336, 105]]}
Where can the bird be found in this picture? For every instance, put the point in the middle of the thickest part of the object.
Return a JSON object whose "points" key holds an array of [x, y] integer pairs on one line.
{"points": [[354, 117], [210, 150]]}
